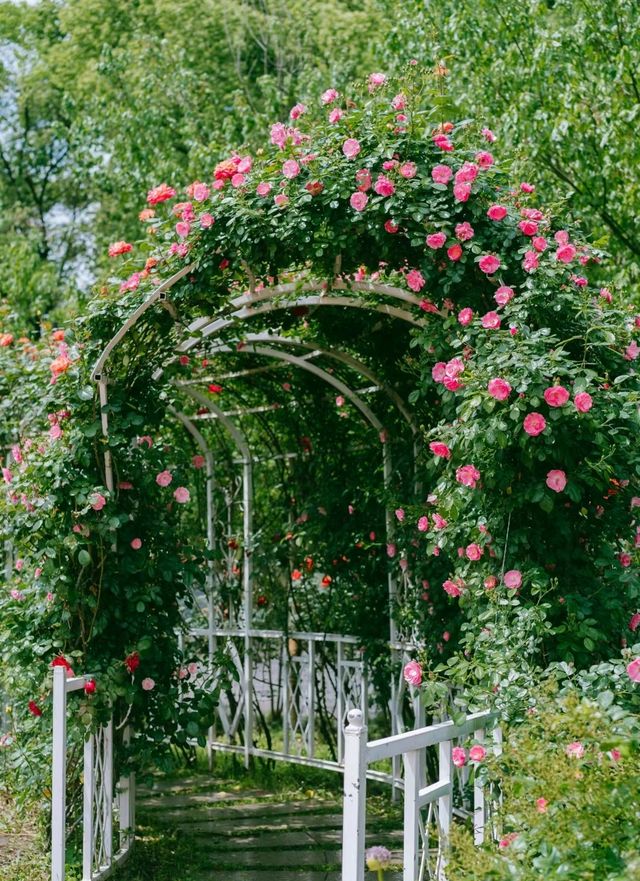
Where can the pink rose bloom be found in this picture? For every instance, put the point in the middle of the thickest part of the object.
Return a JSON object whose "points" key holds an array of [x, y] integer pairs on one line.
{"points": [[556, 480], [625, 560], [462, 191], [436, 240], [531, 261], [499, 389], [164, 478], [539, 243], [412, 673], [556, 396], [145, 439], [468, 475], [440, 449], [182, 229], [491, 321], [615, 755], [160, 194], [423, 524], [484, 159], [566, 253], [358, 201], [464, 231], [634, 622], [391, 550], [474, 552], [441, 174], [351, 148], [527, 188], [583, 402], [490, 582], [263, 188], [534, 424], [632, 351], [329, 96], [336, 115], [290, 169], [415, 280], [489, 264], [633, 670], [237, 180], [454, 252], [513, 579], [477, 753], [384, 187], [503, 295], [453, 588], [561, 237], [443, 143], [182, 495], [467, 173], [296, 111], [454, 367], [200, 192], [97, 501], [488, 135], [408, 170], [439, 522], [438, 372], [465, 316], [528, 227], [376, 80], [363, 180], [198, 461], [458, 756], [541, 805], [575, 750], [497, 212], [136, 544], [399, 514], [390, 227], [206, 220], [148, 684]]}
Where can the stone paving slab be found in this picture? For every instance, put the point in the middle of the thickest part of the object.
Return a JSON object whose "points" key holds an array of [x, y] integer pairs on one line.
{"points": [[257, 810], [199, 798], [267, 875], [285, 839], [270, 859]]}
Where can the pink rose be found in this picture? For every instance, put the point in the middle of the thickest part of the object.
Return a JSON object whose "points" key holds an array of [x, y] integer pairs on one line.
{"points": [[439, 522], [399, 512], [556, 396], [633, 670], [281, 200], [290, 169], [408, 170], [415, 280], [182, 495], [148, 684], [296, 111], [539, 243], [583, 402], [453, 588], [566, 253], [443, 143], [462, 191], [358, 201], [390, 227], [439, 371], [503, 295], [412, 673], [336, 115], [634, 622], [182, 229], [512, 579], [491, 321], [534, 424], [198, 461], [499, 389], [206, 220], [263, 188], [531, 261], [200, 192], [383, 186], [351, 148], [464, 231], [454, 252], [632, 351], [376, 80], [528, 227], [497, 212], [527, 188], [164, 478], [97, 501], [136, 544], [441, 174], [363, 180], [440, 449], [465, 316], [468, 475], [477, 753], [329, 96], [488, 135], [489, 264], [575, 750], [474, 552], [541, 805], [423, 524], [458, 756], [436, 240], [556, 480]]}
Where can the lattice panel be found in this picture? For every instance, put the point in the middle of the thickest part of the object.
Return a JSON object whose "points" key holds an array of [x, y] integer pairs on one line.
{"points": [[102, 799], [299, 706]]}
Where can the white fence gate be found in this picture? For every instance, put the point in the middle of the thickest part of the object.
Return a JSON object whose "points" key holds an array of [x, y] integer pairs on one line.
{"points": [[425, 837], [100, 804]]}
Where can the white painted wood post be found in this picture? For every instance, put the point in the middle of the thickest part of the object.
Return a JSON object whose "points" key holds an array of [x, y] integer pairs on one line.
{"points": [[445, 803], [340, 702], [311, 699], [127, 800], [355, 798], [89, 785], [59, 775], [107, 784], [412, 778], [479, 807]]}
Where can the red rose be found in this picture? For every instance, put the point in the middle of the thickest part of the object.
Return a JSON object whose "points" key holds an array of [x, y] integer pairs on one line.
{"points": [[132, 661]]}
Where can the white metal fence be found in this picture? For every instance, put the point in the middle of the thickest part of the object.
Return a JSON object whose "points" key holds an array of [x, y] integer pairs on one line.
{"points": [[428, 808], [103, 806]]}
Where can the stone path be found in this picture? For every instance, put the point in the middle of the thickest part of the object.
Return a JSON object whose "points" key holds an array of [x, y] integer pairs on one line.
{"points": [[250, 836]]}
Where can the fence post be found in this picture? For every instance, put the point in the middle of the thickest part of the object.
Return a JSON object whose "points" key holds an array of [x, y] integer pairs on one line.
{"points": [[311, 699], [107, 792], [445, 803], [59, 775], [355, 798], [127, 800], [412, 778], [340, 702], [89, 785], [479, 808]]}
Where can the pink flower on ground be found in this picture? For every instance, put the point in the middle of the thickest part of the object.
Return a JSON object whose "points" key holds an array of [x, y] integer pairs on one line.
{"points": [[351, 148], [534, 424], [633, 670], [148, 684], [468, 475], [477, 753], [358, 201], [575, 750], [441, 174], [474, 552], [497, 212], [513, 579], [465, 316], [489, 264], [583, 402], [541, 805], [491, 321], [436, 240], [97, 501], [415, 280], [182, 495], [556, 480], [556, 396], [290, 169], [423, 524], [263, 188], [499, 389], [413, 673], [383, 186], [458, 756], [440, 449], [164, 478], [136, 544]]}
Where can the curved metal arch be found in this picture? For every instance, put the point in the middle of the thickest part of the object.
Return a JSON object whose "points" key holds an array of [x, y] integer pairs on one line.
{"points": [[272, 291]]}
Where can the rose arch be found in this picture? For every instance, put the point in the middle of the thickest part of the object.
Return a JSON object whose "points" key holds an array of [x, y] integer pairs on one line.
{"points": [[359, 397]]}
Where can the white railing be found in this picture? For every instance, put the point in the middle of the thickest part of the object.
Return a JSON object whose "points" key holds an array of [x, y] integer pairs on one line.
{"points": [[100, 803], [425, 837]]}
